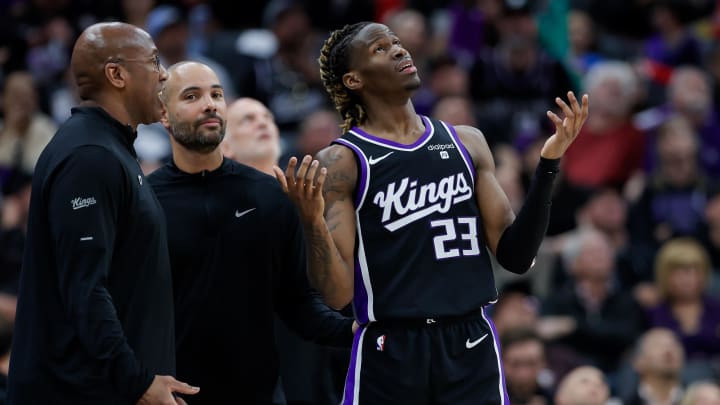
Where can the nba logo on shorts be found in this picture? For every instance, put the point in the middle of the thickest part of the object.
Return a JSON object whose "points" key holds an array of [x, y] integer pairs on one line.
{"points": [[380, 343], [444, 154]]}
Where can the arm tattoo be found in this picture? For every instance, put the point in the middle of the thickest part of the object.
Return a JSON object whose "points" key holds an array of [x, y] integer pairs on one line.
{"points": [[319, 256], [324, 258]]}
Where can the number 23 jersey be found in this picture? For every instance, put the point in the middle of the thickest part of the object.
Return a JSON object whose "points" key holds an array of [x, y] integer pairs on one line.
{"points": [[419, 249]]}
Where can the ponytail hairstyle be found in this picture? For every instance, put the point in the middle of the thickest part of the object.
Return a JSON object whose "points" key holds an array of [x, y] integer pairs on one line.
{"points": [[334, 63]]}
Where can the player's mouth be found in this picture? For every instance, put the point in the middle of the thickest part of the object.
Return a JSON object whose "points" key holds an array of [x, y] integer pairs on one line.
{"points": [[406, 66]]}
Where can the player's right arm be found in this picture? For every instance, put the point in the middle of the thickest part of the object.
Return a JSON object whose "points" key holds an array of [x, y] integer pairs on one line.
{"points": [[322, 189]]}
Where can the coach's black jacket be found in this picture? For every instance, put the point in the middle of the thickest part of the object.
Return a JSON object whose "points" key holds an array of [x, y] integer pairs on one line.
{"points": [[95, 316], [237, 256]]}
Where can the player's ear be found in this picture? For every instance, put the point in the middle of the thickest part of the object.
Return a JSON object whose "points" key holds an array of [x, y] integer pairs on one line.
{"points": [[352, 81]]}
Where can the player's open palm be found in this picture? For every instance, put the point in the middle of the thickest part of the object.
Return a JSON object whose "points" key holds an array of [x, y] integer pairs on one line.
{"points": [[162, 389], [304, 185], [567, 128]]}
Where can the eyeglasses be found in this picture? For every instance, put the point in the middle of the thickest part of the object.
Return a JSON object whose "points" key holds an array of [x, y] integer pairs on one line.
{"points": [[155, 60]]}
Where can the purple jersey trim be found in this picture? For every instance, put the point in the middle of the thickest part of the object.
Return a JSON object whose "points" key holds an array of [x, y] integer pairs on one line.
{"points": [[349, 397], [360, 297], [502, 386], [463, 150], [372, 138], [362, 185]]}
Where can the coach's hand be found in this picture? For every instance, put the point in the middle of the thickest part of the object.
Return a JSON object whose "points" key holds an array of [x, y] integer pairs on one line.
{"points": [[567, 129], [161, 391]]}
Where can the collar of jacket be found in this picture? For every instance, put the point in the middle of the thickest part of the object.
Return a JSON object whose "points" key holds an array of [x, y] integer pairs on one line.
{"points": [[124, 132]]}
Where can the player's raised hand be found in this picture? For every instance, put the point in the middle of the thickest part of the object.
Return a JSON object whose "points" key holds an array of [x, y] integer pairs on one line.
{"points": [[566, 129], [161, 391], [304, 185]]}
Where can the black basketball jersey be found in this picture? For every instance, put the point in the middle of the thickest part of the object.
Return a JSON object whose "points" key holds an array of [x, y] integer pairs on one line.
{"points": [[420, 250]]}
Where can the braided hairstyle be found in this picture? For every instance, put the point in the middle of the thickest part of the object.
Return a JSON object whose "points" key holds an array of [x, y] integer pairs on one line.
{"points": [[334, 63]]}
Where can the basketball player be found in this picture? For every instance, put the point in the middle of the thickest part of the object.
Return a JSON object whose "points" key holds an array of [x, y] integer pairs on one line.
{"points": [[410, 205]]}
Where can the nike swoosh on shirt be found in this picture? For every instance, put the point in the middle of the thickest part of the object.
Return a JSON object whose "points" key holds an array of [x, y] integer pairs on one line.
{"points": [[470, 345], [238, 214], [372, 160]]}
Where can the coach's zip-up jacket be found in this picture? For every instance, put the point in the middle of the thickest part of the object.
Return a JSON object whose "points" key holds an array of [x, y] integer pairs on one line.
{"points": [[238, 257], [95, 316]]}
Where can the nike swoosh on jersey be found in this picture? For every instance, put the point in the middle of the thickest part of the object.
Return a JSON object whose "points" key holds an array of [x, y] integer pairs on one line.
{"points": [[238, 214], [372, 160], [470, 345]]}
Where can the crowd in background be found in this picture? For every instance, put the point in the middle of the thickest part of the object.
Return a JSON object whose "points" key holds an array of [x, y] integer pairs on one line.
{"points": [[628, 277]]}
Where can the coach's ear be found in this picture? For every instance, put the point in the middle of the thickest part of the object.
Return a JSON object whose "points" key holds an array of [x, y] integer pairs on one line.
{"points": [[352, 81], [164, 117]]}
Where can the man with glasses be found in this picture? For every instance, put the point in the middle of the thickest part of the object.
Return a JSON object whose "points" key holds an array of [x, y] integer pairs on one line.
{"points": [[95, 313]]}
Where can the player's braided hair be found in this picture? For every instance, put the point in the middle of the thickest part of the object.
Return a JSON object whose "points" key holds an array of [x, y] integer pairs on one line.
{"points": [[334, 63]]}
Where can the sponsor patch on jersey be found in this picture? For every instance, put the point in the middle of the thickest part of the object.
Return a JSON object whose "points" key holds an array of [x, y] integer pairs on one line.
{"points": [[441, 146]]}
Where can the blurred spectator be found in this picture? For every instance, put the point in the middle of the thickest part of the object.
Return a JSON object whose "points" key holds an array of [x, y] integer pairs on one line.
{"points": [[25, 129], [13, 226], [50, 55], [621, 25], [606, 211], [702, 393], [252, 137], [609, 149], [152, 146], [6, 333], [62, 96], [251, 16], [583, 45], [673, 200], [516, 82], [689, 94], [517, 309], [583, 386], [135, 12], [168, 25], [317, 131], [712, 60], [328, 15], [710, 236], [13, 229], [591, 312], [454, 110], [289, 81], [673, 44], [508, 163], [448, 77], [472, 28], [682, 272], [658, 362], [523, 357]]}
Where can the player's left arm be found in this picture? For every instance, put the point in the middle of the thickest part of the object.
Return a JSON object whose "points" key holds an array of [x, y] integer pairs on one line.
{"points": [[301, 307], [515, 240]]}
